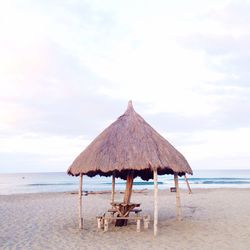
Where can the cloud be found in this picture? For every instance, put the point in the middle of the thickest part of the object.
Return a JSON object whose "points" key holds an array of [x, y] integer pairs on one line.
{"points": [[47, 84], [225, 54], [63, 98], [219, 149], [39, 152], [215, 44], [227, 51], [31, 162], [234, 15]]}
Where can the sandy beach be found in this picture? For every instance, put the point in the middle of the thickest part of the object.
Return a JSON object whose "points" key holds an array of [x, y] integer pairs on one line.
{"points": [[212, 219]]}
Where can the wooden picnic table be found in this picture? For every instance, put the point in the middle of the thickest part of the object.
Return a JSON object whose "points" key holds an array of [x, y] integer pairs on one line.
{"points": [[120, 214], [122, 210]]}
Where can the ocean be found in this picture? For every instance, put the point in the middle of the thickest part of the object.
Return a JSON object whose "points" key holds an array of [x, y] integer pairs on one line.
{"points": [[18, 183]]}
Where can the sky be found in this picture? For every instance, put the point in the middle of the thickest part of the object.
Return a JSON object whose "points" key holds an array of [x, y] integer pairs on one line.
{"points": [[69, 68]]}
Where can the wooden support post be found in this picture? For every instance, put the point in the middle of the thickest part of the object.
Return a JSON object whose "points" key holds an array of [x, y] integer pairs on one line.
{"points": [[155, 202], [80, 203], [113, 188], [178, 203], [129, 186], [126, 198], [189, 189]]}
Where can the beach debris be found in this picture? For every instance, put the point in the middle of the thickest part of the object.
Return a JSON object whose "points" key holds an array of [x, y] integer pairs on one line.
{"points": [[144, 190]]}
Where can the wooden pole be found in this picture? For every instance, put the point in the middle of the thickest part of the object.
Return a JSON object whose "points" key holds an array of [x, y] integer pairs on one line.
{"points": [[113, 188], [127, 197], [129, 186], [155, 202], [178, 203], [80, 203], [189, 189]]}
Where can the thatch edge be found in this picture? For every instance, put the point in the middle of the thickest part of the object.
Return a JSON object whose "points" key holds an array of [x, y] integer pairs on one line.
{"points": [[123, 174]]}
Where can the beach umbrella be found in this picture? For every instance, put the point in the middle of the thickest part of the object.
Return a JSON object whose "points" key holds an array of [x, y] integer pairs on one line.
{"points": [[128, 148]]}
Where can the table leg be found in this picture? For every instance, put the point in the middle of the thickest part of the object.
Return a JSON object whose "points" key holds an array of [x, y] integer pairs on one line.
{"points": [[106, 225], [138, 225]]}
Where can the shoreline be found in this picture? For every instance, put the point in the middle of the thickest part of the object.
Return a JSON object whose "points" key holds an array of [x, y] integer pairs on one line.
{"points": [[93, 192], [61, 182]]}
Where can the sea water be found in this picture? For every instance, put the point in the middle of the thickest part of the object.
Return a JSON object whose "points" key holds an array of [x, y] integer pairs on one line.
{"points": [[61, 182]]}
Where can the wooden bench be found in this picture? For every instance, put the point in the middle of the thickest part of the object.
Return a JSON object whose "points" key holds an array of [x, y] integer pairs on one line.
{"points": [[103, 221], [135, 210]]}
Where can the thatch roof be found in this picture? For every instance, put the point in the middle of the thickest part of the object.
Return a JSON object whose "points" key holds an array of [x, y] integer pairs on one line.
{"points": [[129, 144]]}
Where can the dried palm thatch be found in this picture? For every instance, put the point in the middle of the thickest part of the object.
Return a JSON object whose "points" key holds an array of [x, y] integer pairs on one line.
{"points": [[129, 145]]}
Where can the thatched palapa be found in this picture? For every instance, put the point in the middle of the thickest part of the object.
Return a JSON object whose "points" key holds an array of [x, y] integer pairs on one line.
{"points": [[128, 148], [129, 143]]}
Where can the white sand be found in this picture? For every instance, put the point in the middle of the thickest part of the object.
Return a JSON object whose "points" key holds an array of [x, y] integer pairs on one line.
{"points": [[212, 219]]}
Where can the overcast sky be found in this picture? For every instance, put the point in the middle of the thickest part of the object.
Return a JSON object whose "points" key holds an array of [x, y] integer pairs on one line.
{"points": [[69, 68]]}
